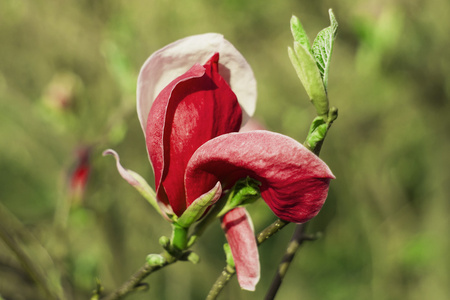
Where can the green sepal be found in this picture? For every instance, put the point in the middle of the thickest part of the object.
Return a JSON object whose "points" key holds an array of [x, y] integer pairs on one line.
{"points": [[244, 191], [323, 47], [228, 255], [196, 210]]}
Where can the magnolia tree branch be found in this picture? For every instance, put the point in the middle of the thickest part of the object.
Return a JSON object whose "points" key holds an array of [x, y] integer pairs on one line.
{"points": [[297, 239], [133, 283], [270, 230], [221, 281]]}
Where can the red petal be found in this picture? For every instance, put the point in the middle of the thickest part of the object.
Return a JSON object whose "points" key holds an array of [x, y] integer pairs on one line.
{"points": [[176, 58], [241, 238], [294, 180], [191, 110]]}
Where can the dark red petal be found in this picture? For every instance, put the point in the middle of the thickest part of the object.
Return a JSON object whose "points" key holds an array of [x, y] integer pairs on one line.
{"points": [[238, 229], [79, 176], [294, 180], [191, 110]]}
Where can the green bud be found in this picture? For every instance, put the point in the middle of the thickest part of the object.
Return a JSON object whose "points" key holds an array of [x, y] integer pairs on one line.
{"points": [[323, 48], [155, 260], [164, 241], [95, 294], [193, 258]]}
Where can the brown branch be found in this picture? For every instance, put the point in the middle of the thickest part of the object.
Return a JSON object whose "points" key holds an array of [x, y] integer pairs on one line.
{"points": [[297, 239], [221, 281], [270, 230], [133, 283]]}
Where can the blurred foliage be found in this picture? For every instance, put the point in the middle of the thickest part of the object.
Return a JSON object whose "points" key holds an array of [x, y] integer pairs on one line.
{"points": [[67, 86]]}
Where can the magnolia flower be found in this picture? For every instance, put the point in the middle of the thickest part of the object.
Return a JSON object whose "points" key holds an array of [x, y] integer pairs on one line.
{"points": [[193, 97]]}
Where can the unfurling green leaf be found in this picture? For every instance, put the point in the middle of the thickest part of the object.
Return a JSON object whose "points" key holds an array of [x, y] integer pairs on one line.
{"points": [[312, 63], [299, 33], [317, 132], [309, 74], [323, 47]]}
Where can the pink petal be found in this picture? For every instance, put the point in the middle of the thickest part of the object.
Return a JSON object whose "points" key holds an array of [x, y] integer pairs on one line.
{"points": [[122, 171], [139, 183], [192, 109], [240, 235], [177, 58], [294, 180]]}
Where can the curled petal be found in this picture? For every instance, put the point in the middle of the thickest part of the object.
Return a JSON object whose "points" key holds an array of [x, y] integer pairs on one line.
{"points": [[294, 181], [240, 235], [141, 185], [194, 108], [178, 57]]}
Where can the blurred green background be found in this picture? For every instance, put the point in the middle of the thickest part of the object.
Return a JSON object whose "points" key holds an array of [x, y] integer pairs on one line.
{"points": [[68, 72]]}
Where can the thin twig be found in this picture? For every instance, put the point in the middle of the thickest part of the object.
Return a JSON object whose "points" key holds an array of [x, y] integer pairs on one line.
{"points": [[295, 242], [131, 284], [221, 281], [270, 230]]}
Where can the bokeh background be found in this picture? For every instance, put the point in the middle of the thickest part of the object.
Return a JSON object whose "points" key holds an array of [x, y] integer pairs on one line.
{"points": [[68, 73]]}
